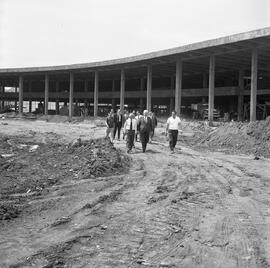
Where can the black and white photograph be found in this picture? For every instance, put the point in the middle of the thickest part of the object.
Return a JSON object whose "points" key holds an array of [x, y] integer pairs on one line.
{"points": [[134, 134]]}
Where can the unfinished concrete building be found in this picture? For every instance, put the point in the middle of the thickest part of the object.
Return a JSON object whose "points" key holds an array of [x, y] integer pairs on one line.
{"points": [[230, 73]]}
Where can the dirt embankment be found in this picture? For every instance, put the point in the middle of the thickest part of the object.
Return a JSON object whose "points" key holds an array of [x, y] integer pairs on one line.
{"points": [[28, 169], [234, 137]]}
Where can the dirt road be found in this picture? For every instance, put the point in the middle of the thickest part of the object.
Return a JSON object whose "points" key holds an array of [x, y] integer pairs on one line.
{"points": [[188, 209]]}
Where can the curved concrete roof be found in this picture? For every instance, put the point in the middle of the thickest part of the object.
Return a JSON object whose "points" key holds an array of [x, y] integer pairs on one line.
{"points": [[178, 51]]}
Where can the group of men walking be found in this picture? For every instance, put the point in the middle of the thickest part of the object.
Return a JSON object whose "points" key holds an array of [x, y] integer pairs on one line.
{"points": [[140, 126], [143, 125]]}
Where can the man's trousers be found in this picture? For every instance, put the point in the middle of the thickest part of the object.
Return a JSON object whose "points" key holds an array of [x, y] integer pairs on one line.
{"points": [[144, 136], [130, 139], [173, 134]]}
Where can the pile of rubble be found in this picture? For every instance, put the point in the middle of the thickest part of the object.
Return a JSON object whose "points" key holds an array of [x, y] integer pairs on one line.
{"points": [[238, 137], [98, 158], [28, 169]]}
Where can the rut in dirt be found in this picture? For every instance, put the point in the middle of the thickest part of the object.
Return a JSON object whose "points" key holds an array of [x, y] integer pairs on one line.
{"points": [[190, 209]]}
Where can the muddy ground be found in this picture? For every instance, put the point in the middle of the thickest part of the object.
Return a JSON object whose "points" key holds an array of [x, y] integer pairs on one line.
{"points": [[69, 200]]}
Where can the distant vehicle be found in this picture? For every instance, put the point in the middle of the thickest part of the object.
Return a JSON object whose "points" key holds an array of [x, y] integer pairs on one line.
{"points": [[200, 110]]}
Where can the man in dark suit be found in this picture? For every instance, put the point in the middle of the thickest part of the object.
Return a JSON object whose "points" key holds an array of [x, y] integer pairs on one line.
{"points": [[118, 123], [145, 127]]}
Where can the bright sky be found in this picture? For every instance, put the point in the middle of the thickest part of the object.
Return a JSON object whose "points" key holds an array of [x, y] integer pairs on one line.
{"points": [[56, 32]]}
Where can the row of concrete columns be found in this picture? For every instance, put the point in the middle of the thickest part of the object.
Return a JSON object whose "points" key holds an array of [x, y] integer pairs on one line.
{"points": [[178, 89]]}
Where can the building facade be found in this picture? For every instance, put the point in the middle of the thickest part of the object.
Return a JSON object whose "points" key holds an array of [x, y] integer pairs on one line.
{"points": [[230, 73]]}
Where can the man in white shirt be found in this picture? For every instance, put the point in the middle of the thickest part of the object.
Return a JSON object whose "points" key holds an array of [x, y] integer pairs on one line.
{"points": [[137, 117], [130, 129], [173, 125]]}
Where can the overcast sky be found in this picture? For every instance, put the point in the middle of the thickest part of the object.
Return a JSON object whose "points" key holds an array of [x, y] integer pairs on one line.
{"points": [[56, 32]]}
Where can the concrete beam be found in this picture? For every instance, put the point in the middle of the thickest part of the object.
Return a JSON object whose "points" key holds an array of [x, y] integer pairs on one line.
{"points": [[71, 88], [20, 95], [227, 41], [156, 93], [178, 85], [46, 95], [211, 88], [149, 88], [253, 89], [96, 94], [122, 90]]}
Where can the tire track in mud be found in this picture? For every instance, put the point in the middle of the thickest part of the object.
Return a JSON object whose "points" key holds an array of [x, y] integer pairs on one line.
{"points": [[181, 210], [57, 232]]}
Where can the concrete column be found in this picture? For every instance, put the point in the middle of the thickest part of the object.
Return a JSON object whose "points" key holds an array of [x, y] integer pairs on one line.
{"points": [[2, 91], [253, 90], [113, 90], [20, 95], [71, 88], [240, 104], [16, 103], [46, 95], [211, 88], [30, 97], [96, 94], [178, 85], [122, 90], [172, 100], [149, 88], [85, 90], [142, 89], [57, 108]]}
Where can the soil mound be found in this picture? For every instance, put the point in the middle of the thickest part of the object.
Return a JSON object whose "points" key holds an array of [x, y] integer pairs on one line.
{"points": [[248, 138], [28, 169]]}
